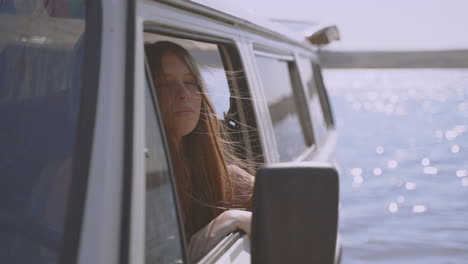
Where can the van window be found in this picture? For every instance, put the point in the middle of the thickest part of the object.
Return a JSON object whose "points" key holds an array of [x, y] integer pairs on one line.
{"points": [[41, 56], [224, 78], [282, 97], [163, 236], [226, 88], [322, 92], [314, 100]]}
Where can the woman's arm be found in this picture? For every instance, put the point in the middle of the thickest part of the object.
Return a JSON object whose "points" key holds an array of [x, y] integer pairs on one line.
{"points": [[227, 222]]}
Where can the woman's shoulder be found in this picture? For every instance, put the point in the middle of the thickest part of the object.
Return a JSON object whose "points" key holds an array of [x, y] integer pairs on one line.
{"points": [[238, 174], [240, 177], [242, 186]]}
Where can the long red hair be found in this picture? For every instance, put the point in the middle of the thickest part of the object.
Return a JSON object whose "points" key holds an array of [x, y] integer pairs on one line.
{"points": [[205, 183]]}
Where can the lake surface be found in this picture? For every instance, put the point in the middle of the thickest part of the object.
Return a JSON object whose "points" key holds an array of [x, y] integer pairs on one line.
{"points": [[403, 161]]}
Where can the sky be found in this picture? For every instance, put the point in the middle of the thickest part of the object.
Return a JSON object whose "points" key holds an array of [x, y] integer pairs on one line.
{"points": [[378, 25]]}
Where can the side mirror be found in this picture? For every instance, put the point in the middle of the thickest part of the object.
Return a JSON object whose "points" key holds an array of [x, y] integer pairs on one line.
{"points": [[324, 36], [295, 213]]}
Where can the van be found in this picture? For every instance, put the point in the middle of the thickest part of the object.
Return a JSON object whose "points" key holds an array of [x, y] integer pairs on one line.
{"points": [[85, 174]]}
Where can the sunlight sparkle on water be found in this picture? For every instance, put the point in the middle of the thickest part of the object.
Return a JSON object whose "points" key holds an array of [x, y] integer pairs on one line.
{"points": [[377, 171], [451, 134], [460, 129], [431, 170], [425, 162], [357, 177], [391, 164], [455, 148], [379, 150], [419, 209], [393, 207], [410, 185], [357, 181], [462, 173], [464, 182], [356, 172]]}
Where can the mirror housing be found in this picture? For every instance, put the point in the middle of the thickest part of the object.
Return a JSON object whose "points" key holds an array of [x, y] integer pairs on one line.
{"points": [[295, 213], [324, 36]]}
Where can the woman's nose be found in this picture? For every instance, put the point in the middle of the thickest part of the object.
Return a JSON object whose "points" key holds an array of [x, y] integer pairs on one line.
{"points": [[182, 91]]}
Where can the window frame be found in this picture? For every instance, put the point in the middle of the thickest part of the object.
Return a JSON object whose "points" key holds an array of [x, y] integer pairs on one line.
{"points": [[129, 135], [85, 133], [323, 94], [308, 61], [243, 108], [298, 94]]}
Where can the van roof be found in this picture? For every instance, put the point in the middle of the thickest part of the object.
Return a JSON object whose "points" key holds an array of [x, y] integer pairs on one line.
{"points": [[228, 13]]}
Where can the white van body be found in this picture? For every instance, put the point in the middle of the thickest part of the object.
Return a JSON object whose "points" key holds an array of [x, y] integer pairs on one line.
{"points": [[110, 214]]}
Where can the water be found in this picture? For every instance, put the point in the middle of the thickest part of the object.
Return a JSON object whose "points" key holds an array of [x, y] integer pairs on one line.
{"points": [[403, 157]]}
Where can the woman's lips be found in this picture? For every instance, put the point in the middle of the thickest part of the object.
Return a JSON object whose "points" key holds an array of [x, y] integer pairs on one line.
{"points": [[184, 112]]}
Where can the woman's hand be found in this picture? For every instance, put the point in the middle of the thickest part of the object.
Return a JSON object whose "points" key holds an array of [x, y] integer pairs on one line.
{"points": [[227, 222]]}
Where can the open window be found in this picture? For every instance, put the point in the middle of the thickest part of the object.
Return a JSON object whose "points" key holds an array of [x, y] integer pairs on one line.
{"points": [[224, 78]]}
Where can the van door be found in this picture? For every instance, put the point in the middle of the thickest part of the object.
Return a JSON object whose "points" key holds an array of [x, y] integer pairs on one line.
{"points": [[48, 72]]}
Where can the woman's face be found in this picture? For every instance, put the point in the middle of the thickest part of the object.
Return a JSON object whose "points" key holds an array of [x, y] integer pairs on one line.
{"points": [[179, 95]]}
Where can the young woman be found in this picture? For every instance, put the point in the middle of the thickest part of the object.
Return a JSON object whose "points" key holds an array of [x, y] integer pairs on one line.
{"points": [[213, 191]]}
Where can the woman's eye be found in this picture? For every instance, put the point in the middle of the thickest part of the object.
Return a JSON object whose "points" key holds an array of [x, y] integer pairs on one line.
{"points": [[165, 86], [191, 84]]}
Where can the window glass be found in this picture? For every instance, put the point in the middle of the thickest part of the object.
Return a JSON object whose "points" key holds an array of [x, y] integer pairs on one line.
{"points": [[316, 113], [41, 54], [278, 85], [322, 92], [163, 238]]}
